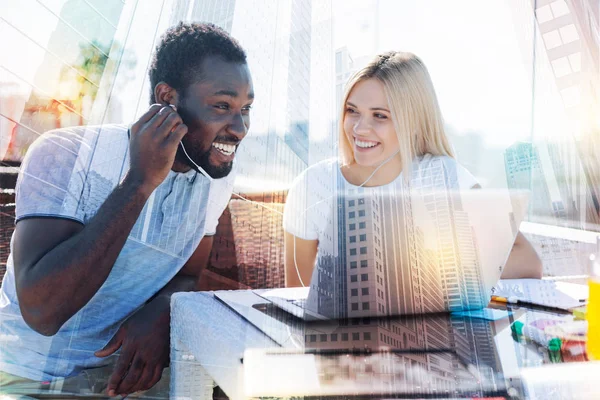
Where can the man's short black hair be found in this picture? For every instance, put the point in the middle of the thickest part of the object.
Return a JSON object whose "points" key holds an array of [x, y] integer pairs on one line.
{"points": [[182, 49]]}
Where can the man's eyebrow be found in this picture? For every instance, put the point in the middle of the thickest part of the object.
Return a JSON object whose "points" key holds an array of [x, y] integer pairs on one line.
{"points": [[226, 92], [231, 93], [372, 108]]}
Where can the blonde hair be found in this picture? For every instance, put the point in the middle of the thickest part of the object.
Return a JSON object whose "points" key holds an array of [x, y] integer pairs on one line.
{"points": [[413, 106]]}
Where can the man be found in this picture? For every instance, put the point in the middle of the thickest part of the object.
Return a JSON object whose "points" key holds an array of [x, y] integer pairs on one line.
{"points": [[111, 222]]}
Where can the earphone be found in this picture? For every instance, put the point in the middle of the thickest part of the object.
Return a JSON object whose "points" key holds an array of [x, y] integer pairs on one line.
{"points": [[200, 169], [210, 178], [277, 211]]}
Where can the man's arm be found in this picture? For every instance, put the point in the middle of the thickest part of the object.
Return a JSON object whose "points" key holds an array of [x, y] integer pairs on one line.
{"points": [[61, 264], [144, 339]]}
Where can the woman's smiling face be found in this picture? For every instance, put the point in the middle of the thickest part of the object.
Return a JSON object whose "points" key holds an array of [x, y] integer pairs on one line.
{"points": [[368, 124]]}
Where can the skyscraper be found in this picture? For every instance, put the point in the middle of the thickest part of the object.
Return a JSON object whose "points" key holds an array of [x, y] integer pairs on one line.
{"points": [[566, 56], [298, 78]]}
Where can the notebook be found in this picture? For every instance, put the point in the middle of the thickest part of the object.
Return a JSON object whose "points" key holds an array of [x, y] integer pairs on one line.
{"points": [[543, 292]]}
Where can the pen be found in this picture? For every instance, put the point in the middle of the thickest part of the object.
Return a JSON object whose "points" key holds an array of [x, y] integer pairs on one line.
{"points": [[500, 299], [579, 313]]}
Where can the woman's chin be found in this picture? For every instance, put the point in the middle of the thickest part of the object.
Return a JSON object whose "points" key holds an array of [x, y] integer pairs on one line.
{"points": [[366, 162]]}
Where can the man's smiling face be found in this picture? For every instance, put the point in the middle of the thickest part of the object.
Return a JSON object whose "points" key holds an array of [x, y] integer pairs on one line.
{"points": [[216, 110]]}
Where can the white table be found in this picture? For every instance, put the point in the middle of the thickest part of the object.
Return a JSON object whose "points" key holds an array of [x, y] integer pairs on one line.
{"points": [[208, 340]]}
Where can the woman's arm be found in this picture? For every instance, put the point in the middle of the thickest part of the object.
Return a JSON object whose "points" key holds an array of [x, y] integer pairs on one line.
{"points": [[300, 256], [523, 261]]}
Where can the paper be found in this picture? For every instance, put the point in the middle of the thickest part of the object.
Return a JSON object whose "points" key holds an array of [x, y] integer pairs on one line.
{"points": [[548, 293]]}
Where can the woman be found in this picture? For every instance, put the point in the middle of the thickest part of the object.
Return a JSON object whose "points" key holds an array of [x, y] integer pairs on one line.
{"points": [[392, 140]]}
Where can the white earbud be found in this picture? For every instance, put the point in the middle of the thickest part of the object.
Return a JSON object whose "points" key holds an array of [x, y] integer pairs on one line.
{"points": [[210, 178]]}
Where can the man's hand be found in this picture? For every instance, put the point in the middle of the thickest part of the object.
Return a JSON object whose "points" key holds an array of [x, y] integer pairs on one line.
{"points": [[144, 343], [79, 258], [153, 144]]}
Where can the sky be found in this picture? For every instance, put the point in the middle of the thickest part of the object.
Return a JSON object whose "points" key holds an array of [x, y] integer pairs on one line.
{"points": [[472, 49]]}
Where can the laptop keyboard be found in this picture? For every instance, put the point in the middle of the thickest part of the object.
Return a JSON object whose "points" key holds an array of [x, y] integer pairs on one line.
{"points": [[297, 302]]}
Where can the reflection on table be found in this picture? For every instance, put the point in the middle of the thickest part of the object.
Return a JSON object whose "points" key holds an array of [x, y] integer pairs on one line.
{"points": [[251, 348]]}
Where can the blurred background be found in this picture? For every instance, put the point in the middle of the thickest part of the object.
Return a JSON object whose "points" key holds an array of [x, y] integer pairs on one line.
{"points": [[517, 80]]}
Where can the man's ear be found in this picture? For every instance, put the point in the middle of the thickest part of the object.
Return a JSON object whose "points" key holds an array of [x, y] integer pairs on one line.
{"points": [[165, 94]]}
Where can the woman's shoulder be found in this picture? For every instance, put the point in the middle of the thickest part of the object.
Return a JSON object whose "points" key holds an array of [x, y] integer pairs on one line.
{"points": [[329, 165], [455, 172], [320, 170], [431, 160], [309, 200]]}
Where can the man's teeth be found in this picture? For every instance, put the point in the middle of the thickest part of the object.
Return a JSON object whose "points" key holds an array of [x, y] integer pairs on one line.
{"points": [[362, 144], [226, 149]]}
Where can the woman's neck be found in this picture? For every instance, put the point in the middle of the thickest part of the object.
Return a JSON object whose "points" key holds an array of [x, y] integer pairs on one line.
{"points": [[357, 174]]}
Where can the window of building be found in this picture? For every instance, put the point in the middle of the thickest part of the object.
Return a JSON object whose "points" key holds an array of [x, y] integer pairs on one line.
{"points": [[352, 227], [352, 252], [364, 277], [351, 214], [353, 239], [365, 305], [561, 67], [362, 225], [363, 237], [353, 264], [313, 338], [353, 278], [361, 213], [559, 8], [552, 39], [323, 337], [344, 337], [575, 61], [351, 203], [364, 263], [355, 335], [364, 291], [568, 34], [353, 292], [367, 336], [334, 337], [354, 306], [544, 14]]}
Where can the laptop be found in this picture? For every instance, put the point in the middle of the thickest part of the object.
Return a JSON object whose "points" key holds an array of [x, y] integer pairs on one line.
{"points": [[417, 356], [417, 252]]}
